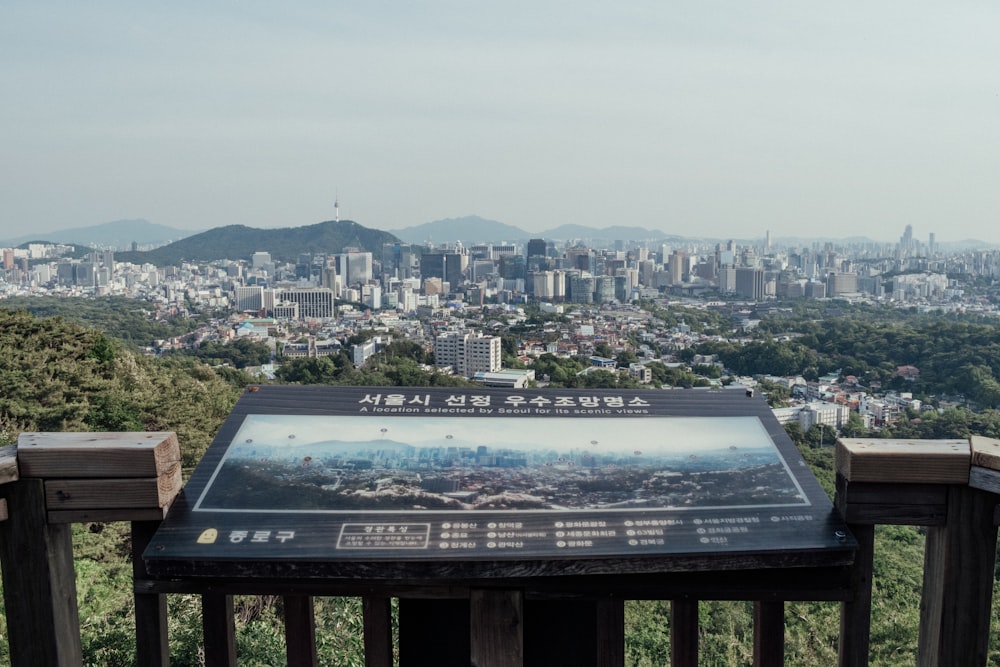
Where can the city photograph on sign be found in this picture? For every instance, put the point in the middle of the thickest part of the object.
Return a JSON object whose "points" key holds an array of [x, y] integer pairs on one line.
{"points": [[298, 464]]}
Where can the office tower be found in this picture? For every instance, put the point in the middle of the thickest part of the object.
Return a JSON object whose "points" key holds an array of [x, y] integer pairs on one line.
{"points": [[312, 303], [536, 248], [750, 283], [249, 298]]}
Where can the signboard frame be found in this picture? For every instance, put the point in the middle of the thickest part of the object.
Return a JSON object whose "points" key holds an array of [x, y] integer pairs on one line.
{"points": [[673, 524]]}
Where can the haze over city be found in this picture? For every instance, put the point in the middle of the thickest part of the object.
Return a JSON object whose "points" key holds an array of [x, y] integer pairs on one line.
{"points": [[719, 119]]}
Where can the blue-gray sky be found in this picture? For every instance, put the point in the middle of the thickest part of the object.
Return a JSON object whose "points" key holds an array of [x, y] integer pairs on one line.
{"points": [[690, 116]]}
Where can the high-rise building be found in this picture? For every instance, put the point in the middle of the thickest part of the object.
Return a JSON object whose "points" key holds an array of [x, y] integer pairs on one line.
{"points": [[543, 285], [750, 283], [467, 353], [249, 298], [581, 288], [260, 260], [399, 260], [676, 263], [312, 303], [448, 266], [513, 267], [906, 242], [355, 267], [841, 283], [604, 289], [536, 248]]}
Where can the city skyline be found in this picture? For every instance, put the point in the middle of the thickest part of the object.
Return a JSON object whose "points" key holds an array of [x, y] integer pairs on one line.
{"points": [[726, 118]]}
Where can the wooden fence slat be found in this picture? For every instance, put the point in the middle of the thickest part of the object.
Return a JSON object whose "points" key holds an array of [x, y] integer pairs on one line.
{"points": [[856, 614], [151, 641], [611, 633], [219, 628], [684, 633], [769, 634], [959, 561], [906, 461], [118, 493], [43, 624], [300, 631], [378, 630], [496, 620]]}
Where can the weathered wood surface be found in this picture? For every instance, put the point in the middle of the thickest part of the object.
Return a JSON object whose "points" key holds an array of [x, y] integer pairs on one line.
{"points": [[377, 612], [8, 464], [768, 634], [856, 612], [806, 583], [985, 472], [684, 633], [985, 479], [959, 561], [76, 494], [904, 461], [496, 628], [107, 514], [97, 455], [897, 504], [985, 452], [219, 628], [300, 631], [39, 583], [151, 640], [610, 617]]}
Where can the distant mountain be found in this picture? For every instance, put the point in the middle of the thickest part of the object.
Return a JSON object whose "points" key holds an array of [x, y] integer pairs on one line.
{"points": [[119, 234], [285, 245], [564, 232], [470, 229]]}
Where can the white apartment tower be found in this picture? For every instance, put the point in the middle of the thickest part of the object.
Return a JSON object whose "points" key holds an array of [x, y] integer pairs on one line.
{"points": [[467, 353]]}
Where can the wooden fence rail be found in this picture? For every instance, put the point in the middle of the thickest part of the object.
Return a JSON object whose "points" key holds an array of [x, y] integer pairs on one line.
{"points": [[52, 480]]}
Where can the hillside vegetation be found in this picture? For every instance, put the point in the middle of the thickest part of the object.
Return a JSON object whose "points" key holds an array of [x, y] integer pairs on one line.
{"points": [[241, 242], [58, 376]]}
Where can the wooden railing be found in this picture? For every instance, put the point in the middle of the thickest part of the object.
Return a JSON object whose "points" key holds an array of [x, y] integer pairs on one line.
{"points": [[49, 481]]}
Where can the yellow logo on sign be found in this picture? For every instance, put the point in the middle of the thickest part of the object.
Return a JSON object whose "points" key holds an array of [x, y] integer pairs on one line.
{"points": [[208, 536]]}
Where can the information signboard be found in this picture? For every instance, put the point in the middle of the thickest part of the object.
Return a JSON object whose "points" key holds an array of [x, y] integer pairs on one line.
{"points": [[334, 475]]}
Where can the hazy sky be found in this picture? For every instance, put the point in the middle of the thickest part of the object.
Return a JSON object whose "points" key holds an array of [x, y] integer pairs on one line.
{"points": [[694, 117]]}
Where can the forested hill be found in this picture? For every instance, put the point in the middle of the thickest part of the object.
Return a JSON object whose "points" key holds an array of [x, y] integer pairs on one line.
{"points": [[285, 245], [58, 376]]}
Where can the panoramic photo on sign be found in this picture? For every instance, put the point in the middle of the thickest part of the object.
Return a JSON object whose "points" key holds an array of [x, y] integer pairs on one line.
{"points": [[351, 473], [285, 464]]}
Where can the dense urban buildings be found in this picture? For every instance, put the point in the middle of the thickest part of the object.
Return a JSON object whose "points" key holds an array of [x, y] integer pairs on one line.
{"points": [[456, 300]]}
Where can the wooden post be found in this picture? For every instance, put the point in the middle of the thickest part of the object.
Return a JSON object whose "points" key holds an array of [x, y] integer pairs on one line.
{"points": [[219, 627], [496, 619], [959, 561], [151, 642], [856, 614], [768, 634], [611, 633], [899, 482], [684, 633], [378, 631], [39, 583], [300, 631]]}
